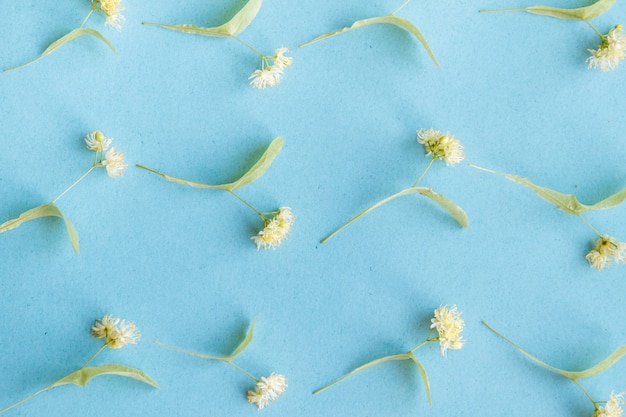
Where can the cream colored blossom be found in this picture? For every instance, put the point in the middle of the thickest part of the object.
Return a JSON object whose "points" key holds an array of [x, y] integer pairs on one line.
{"points": [[270, 76], [449, 325], [258, 398], [275, 230], [116, 332], [607, 252], [96, 141], [114, 163], [441, 146], [613, 407], [113, 10], [274, 385], [610, 52], [280, 60]]}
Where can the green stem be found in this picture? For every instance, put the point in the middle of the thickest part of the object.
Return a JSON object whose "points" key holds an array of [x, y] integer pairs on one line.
{"points": [[93, 7], [399, 357], [586, 393], [425, 171], [400, 8], [244, 43], [75, 182], [94, 355], [247, 204], [594, 29], [240, 369], [590, 226], [367, 210]]}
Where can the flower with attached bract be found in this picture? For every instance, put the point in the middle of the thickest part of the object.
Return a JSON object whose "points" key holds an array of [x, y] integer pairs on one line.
{"points": [[607, 251], [114, 163], [116, 332], [609, 54], [267, 389], [612, 408], [113, 10], [275, 230], [96, 141], [441, 146], [449, 325]]}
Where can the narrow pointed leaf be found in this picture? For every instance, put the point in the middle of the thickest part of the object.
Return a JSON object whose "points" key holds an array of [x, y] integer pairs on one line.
{"points": [[65, 39], [581, 13], [424, 376], [45, 210], [195, 30], [457, 212], [82, 376], [244, 343], [389, 19]]}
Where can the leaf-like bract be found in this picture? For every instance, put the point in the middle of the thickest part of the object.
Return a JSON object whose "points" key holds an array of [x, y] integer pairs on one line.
{"points": [[244, 343], [457, 212], [45, 210], [424, 376], [254, 173], [65, 39], [233, 27], [82, 376], [580, 13], [389, 19]]}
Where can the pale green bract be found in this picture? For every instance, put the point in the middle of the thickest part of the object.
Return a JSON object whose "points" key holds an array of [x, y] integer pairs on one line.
{"points": [[82, 376], [610, 360], [389, 19], [45, 210], [581, 13], [565, 202], [233, 27], [253, 173], [78, 32]]}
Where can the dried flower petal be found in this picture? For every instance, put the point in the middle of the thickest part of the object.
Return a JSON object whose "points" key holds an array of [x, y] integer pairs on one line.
{"points": [[449, 325], [610, 52], [280, 60], [96, 141], [116, 332], [612, 408], [114, 163], [607, 252], [113, 10], [270, 76], [441, 146], [275, 230]]}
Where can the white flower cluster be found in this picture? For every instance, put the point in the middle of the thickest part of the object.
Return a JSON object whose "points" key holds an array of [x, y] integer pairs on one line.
{"points": [[607, 251], [114, 160], [275, 230], [613, 407], [449, 325], [116, 332], [267, 389], [113, 10], [609, 54], [441, 146], [271, 75]]}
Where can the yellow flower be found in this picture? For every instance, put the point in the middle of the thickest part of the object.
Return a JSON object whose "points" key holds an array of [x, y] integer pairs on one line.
{"points": [[114, 163], [116, 332], [96, 141], [113, 10], [612, 408], [607, 251], [441, 146], [280, 60], [449, 325], [610, 52], [275, 230]]}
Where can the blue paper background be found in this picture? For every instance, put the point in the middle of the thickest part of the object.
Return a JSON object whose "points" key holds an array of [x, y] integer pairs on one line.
{"points": [[178, 261]]}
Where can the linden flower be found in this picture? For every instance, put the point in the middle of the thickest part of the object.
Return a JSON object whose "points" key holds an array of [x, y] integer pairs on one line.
{"points": [[612, 408], [96, 141], [449, 325], [275, 230], [116, 332], [441, 146], [112, 9], [609, 54], [114, 163], [607, 251], [258, 398], [270, 76], [280, 60], [267, 389], [103, 327]]}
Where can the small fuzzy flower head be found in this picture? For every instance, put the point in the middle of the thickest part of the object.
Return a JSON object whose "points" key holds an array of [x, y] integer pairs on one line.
{"points": [[114, 163], [267, 389], [607, 252], [613, 407], [280, 60], [96, 141], [449, 325], [441, 146], [267, 77], [113, 11], [116, 332], [609, 54], [275, 230]]}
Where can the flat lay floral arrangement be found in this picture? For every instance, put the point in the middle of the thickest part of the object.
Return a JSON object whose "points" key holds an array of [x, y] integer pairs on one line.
{"points": [[303, 208]]}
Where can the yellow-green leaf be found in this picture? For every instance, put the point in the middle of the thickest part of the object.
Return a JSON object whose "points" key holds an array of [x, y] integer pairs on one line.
{"points": [[233, 27], [389, 19], [244, 343], [253, 173], [424, 376], [65, 39], [580, 13], [82, 376], [45, 210], [457, 212]]}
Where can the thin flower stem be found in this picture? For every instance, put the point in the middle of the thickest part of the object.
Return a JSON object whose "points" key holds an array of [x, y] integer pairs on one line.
{"points": [[367, 210], [428, 340], [237, 367], [590, 226], [247, 204], [399, 357], [93, 7], [75, 182], [425, 171], [94, 355], [400, 8], [585, 391], [244, 43], [595, 30]]}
